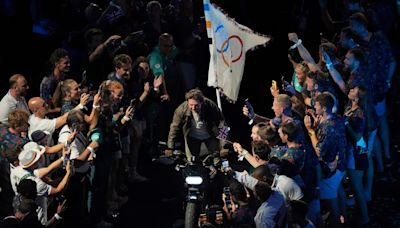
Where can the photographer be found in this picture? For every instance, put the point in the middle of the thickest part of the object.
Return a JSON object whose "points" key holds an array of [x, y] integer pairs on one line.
{"points": [[28, 169], [236, 206], [80, 152]]}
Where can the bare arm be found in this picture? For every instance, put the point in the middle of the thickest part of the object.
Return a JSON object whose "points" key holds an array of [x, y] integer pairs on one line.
{"points": [[250, 158], [101, 48], [96, 100], [84, 156], [54, 149], [42, 172], [311, 133], [63, 182], [304, 53], [336, 76], [60, 121]]}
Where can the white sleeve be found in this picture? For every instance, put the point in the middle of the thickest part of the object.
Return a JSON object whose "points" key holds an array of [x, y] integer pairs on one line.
{"points": [[4, 110], [42, 188], [74, 151], [47, 125], [247, 180], [63, 136], [289, 188]]}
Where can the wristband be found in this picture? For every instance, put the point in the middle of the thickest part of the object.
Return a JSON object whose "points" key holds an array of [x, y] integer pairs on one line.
{"points": [[67, 143], [242, 155], [299, 41], [81, 106], [90, 149], [126, 118], [96, 107], [329, 66], [57, 216]]}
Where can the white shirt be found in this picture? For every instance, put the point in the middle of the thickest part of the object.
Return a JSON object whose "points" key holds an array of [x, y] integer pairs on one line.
{"points": [[37, 123], [288, 187], [43, 190], [77, 147], [8, 104]]}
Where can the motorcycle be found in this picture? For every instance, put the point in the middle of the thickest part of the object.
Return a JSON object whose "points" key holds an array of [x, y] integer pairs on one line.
{"points": [[203, 182], [197, 175]]}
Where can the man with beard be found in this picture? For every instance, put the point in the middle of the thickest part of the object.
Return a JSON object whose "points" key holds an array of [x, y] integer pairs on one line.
{"points": [[15, 98]]}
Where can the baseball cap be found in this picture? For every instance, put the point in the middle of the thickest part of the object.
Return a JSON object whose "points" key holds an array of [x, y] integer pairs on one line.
{"points": [[38, 135]]}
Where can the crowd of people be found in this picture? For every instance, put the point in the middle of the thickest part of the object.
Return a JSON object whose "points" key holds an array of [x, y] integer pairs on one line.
{"points": [[69, 152]]}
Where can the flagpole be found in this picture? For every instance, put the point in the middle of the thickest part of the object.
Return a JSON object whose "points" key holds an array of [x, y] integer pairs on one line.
{"points": [[218, 99]]}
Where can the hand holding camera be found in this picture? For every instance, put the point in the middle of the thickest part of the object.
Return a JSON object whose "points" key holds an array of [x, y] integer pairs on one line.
{"points": [[226, 197], [248, 111], [84, 99], [274, 89]]}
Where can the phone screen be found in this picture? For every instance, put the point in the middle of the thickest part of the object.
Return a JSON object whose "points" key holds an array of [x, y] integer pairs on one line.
{"points": [[133, 102], [225, 164], [274, 84]]}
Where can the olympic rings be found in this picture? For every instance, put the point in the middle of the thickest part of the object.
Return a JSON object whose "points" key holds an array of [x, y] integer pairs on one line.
{"points": [[226, 43], [227, 46]]}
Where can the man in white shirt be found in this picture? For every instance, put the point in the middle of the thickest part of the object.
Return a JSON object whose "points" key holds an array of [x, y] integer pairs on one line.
{"points": [[15, 98], [285, 185], [28, 169], [38, 120]]}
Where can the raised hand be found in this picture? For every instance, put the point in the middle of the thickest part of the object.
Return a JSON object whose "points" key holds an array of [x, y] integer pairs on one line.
{"points": [[84, 99]]}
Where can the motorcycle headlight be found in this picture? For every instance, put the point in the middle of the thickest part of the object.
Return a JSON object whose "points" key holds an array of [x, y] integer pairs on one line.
{"points": [[194, 180]]}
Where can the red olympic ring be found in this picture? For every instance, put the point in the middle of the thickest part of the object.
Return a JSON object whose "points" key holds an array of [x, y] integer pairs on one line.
{"points": [[226, 42]]}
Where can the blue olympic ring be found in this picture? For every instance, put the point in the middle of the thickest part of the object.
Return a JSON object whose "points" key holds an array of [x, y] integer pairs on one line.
{"points": [[227, 46]]}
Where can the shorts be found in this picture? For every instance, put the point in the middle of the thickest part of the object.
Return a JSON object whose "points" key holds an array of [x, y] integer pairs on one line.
{"points": [[329, 186], [380, 108], [356, 161]]}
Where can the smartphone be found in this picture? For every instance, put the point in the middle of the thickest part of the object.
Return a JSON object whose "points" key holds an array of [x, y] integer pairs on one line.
{"points": [[250, 108], [283, 82], [274, 85], [225, 164], [75, 127], [133, 102], [227, 193]]}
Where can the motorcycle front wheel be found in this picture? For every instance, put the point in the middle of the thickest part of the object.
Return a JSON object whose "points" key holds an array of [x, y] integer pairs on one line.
{"points": [[191, 215]]}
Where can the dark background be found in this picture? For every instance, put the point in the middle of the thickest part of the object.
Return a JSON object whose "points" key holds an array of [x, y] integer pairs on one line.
{"points": [[154, 204], [27, 53]]}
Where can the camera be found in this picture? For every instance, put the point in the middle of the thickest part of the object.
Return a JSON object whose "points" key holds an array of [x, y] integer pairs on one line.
{"points": [[228, 202], [133, 102], [60, 198], [225, 165]]}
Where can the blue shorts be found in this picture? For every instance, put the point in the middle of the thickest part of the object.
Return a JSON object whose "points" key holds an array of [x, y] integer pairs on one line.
{"points": [[329, 186]]}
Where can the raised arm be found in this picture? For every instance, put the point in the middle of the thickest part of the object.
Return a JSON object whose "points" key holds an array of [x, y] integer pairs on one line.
{"points": [[336, 76], [304, 53]]}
